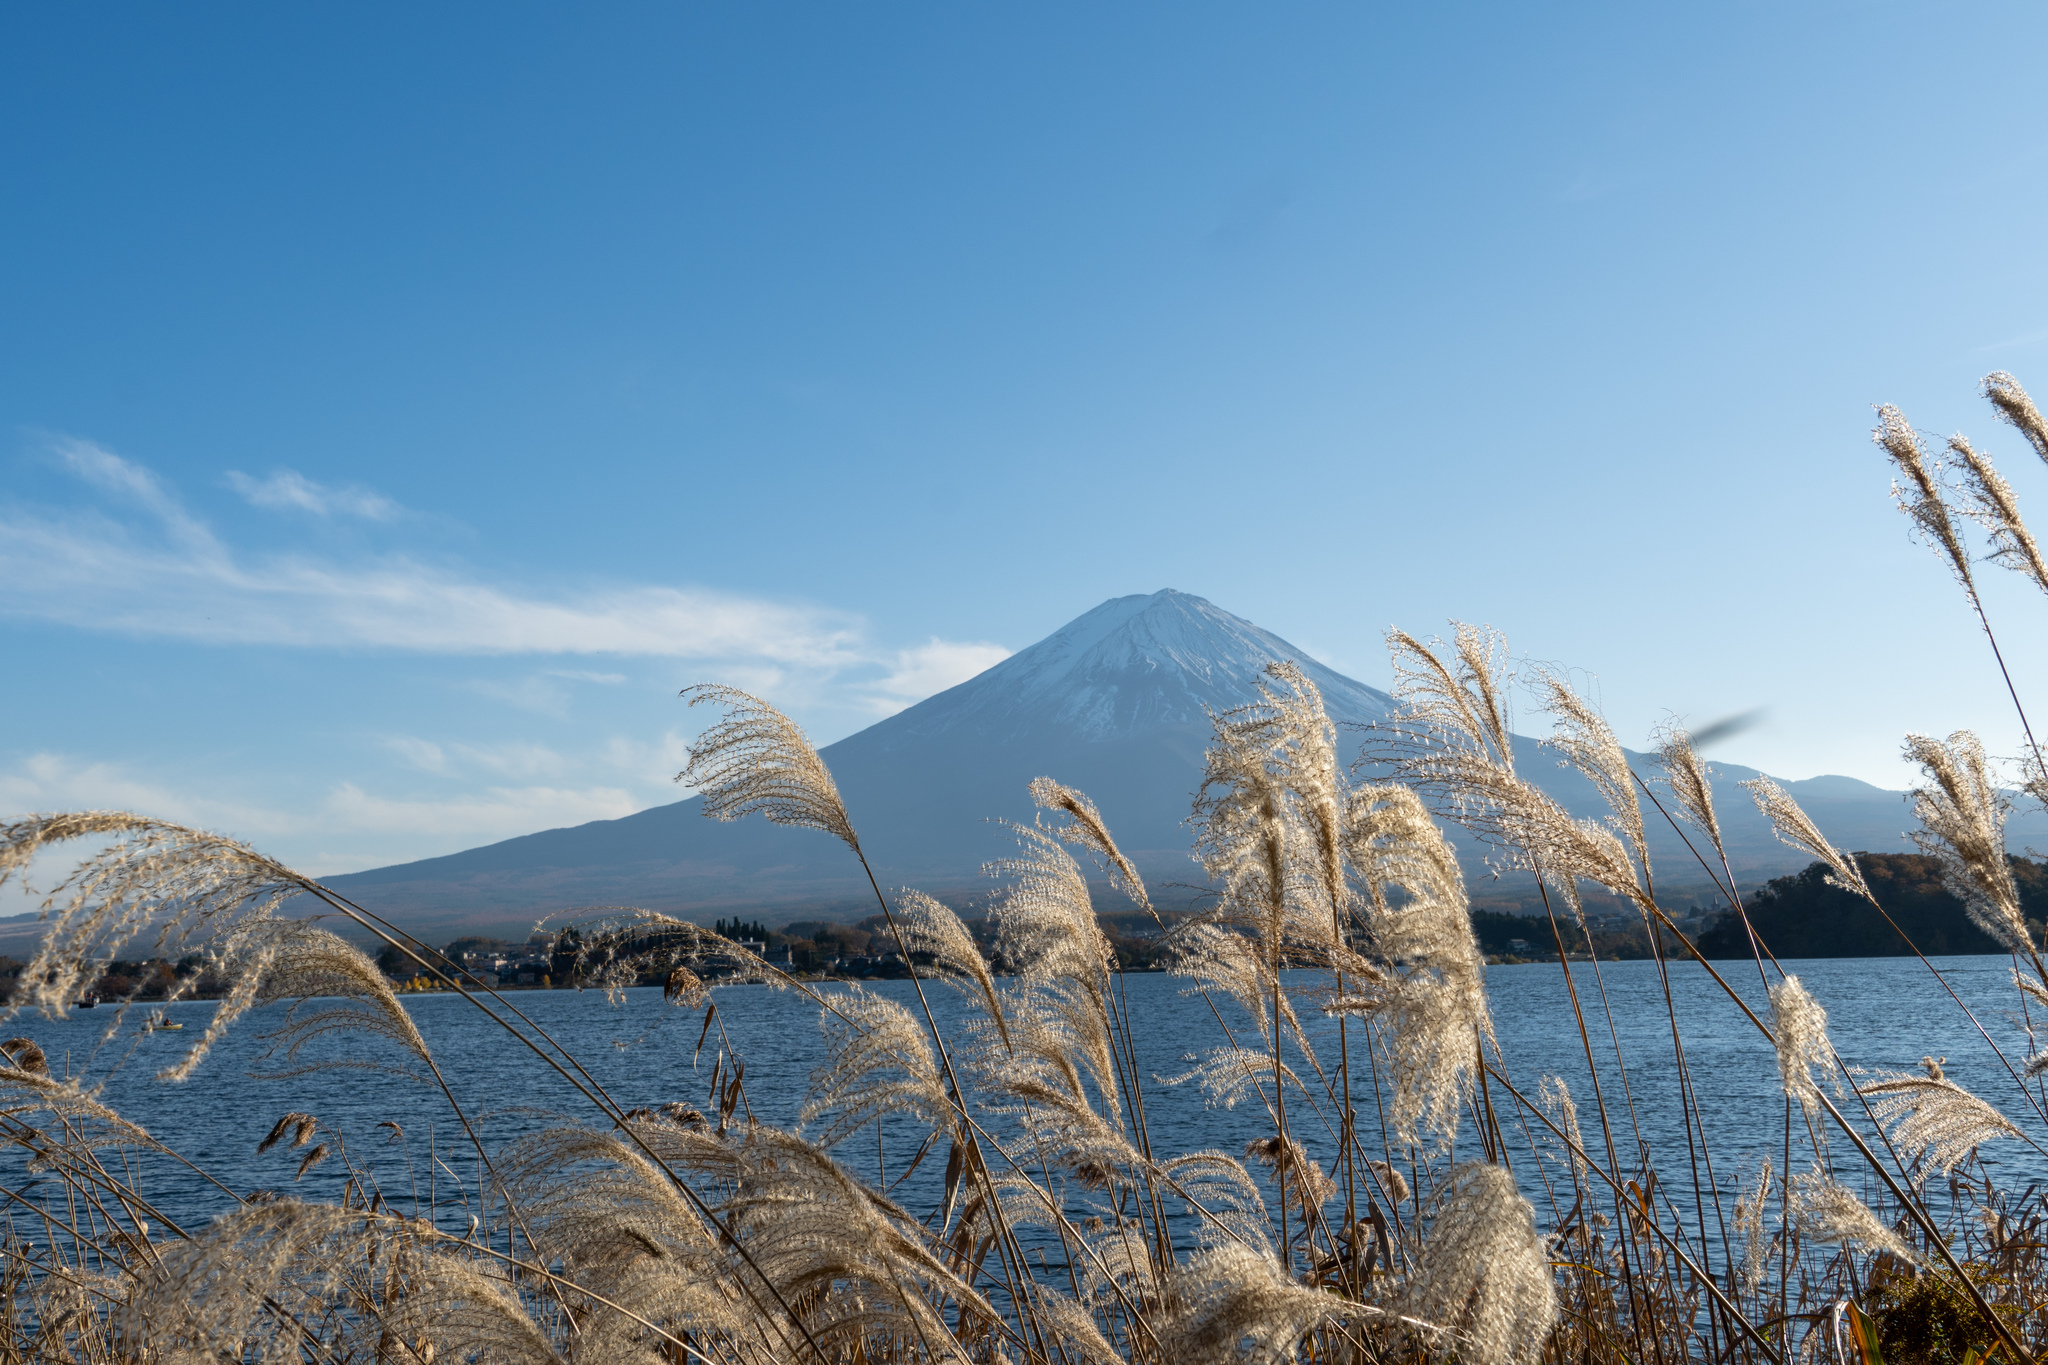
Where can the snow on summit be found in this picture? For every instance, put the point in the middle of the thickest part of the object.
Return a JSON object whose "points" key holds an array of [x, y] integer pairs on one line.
{"points": [[1131, 663]]}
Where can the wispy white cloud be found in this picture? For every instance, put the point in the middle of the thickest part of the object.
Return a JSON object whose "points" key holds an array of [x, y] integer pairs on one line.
{"points": [[516, 758], [348, 827], [50, 781], [289, 490], [652, 767], [138, 487], [537, 692], [422, 754], [931, 668], [175, 578], [2033, 338], [494, 813]]}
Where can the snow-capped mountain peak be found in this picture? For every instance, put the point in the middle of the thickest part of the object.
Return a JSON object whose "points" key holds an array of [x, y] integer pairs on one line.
{"points": [[1130, 664]]}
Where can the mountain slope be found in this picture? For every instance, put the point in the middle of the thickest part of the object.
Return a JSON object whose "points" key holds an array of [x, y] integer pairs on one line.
{"points": [[1112, 703], [1115, 703]]}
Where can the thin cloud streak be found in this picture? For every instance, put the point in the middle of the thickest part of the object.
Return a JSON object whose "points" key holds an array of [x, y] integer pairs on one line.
{"points": [[87, 571], [289, 490], [931, 668], [380, 828]]}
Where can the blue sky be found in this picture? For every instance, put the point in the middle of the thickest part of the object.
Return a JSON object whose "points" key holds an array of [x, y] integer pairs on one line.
{"points": [[398, 405]]}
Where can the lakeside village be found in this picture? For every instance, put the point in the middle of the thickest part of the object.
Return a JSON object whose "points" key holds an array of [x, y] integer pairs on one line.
{"points": [[1800, 915], [809, 949]]}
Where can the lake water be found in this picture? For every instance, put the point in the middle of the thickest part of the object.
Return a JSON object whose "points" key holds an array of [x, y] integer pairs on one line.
{"points": [[1883, 1013]]}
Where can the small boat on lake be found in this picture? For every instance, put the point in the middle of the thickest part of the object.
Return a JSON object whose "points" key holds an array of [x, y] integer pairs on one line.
{"points": [[160, 1022]]}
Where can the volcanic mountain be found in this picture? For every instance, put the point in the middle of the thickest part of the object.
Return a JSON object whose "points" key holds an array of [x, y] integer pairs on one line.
{"points": [[1115, 703]]}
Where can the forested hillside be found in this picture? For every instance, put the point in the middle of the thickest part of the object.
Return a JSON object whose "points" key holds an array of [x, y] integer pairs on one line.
{"points": [[1802, 916]]}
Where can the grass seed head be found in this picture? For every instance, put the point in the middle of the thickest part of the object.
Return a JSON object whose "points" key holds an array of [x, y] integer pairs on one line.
{"points": [[1801, 1026], [1962, 824], [1829, 1212], [1920, 496], [757, 759], [1793, 827], [1932, 1117], [2013, 405]]}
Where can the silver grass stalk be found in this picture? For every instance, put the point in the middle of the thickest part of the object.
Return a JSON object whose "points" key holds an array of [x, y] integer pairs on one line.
{"points": [[1556, 1098], [1688, 778], [1920, 496], [248, 1285], [931, 927], [1303, 1179], [2032, 986], [1468, 698], [87, 1123], [1989, 501], [1432, 995], [878, 1061], [1047, 930], [617, 949], [1392, 1182], [23, 1055], [278, 960], [2013, 406], [2034, 775], [1801, 1028], [1233, 965], [1750, 1228], [180, 887], [458, 1311], [1793, 827], [1250, 836], [1045, 919], [819, 1235], [856, 1268], [1828, 1212], [1038, 1074], [1022, 1204], [1227, 1075], [1119, 1258], [1235, 1303], [297, 1126], [1080, 1340], [1962, 824], [1309, 769], [1087, 829], [354, 996], [757, 759], [618, 1224], [1934, 1117], [1221, 1185], [1444, 742], [311, 1159], [1484, 1271], [1588, 744]]}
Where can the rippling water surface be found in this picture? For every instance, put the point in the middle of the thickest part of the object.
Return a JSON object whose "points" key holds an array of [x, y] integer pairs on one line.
{"points": [[1883, 1013]]}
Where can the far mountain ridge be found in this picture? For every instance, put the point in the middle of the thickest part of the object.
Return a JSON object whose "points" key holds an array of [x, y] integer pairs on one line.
{"points": [[1115, 703]]}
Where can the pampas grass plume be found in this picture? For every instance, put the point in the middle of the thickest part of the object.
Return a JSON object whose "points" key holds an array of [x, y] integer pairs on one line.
{"points": [[757, 759], [2015, 407], [1801, 1026], [1962, 824], [1920, 497]]}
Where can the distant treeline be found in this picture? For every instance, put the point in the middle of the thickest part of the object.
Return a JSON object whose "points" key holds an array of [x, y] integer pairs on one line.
{"points": [[1795, 916], [1802, 916]]}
